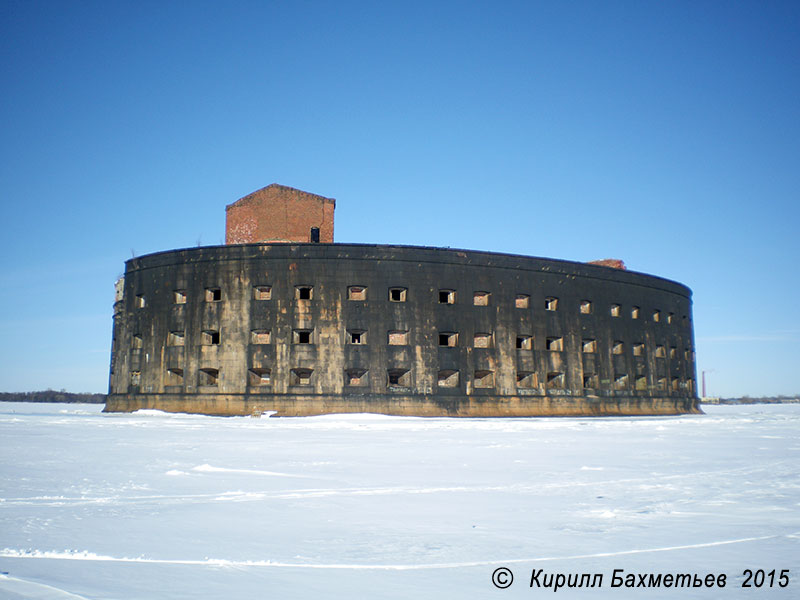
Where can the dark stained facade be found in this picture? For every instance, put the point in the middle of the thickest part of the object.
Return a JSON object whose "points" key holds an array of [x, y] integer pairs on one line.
{"points": [[305, 329]]}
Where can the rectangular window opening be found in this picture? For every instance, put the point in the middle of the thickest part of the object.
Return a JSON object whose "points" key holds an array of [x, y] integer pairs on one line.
{"points": [[355, 377], [137, 340], [357, 293], [213, 294], [357, 337], [398, 294], [638, 349], [301, 376], [179, 297], [447, 297], [635, 312], [175, 338], [484, 379], [136, 377], [174, 377], [209, 376], [554, 343], [662, 384], [262, 292], [589, 381], [522, 301], [640, 384], [524, 342], [670, 318], [139, 301], [260, 336], [621, 381], [398, 338], [482, 340], [303, 292], [258, 376], [673, 352], [211, 337], [527, 379], [618, 347], [616, 309], [398, 378], [448, 339], [447, 378], [661, 352], [555, 380], [656, 316], [301, 336], [586, 307], [551, 303], [481, 298], [589, 346], [676, 384]]}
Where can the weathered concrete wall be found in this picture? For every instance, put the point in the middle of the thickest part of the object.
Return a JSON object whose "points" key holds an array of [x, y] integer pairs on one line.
{"points": [[278, 213], [227, 330]]}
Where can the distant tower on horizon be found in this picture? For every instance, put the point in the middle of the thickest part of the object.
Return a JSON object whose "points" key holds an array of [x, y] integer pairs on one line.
{"points": [[279, 214]]}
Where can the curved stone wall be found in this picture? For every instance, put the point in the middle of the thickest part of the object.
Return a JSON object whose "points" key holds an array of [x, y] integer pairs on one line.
{"points": [[319, 328]]}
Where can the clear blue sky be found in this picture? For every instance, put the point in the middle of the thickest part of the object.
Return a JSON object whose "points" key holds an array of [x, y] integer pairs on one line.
{"points": [[666, 134]]}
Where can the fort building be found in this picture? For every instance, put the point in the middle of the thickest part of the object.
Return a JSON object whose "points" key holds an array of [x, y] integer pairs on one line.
{"points": [[276, 322]]}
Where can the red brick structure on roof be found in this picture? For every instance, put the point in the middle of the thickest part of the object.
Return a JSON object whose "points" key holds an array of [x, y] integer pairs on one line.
{"points": [[278, 213]]}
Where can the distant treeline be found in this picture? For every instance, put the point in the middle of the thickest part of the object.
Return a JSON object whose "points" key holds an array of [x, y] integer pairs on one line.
{"points": [[52, 396], [761, 400]]}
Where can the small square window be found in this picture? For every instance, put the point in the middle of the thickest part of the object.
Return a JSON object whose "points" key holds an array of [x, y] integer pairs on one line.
{"points": [[640, 384], [259, 376], [260, 336], [211, 337], [209, 376], [676, 384], [482, 340], [174, 377], [638, 349], [670, 318], [301, 376], [303, 292], [179, 296], [398, 338], [481, 298], [656, 316], [137, 341], [398, 294], [357, 293], [301, 336], [589, 381], [621, 381], [589, 346], [139, 301], [447, 378], [527, 379], [551, 303], [448, 339], [616, 309], [484, 379], [662, 384], [357, 337], [398, 378], [524, 342], [661, 352], [522, 301], [213, 294], [586, 307], [554, 343], [136, 377], [447, 297], [673, 352], [356, 377], [175, 338], [635, 312], [617, 347], [555, 380], [262, 292]]}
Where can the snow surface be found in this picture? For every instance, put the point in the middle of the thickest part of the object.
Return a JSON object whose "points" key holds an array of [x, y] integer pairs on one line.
{"points": [[152, 505]]}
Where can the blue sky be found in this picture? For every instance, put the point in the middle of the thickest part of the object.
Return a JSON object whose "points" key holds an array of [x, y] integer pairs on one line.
{"points": [[664, 134]]}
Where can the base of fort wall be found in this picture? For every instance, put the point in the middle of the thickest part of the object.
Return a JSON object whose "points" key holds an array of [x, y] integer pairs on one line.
{"points": [[404, 405]]}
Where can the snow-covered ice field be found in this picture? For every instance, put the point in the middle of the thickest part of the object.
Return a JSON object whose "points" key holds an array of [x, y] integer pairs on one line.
{"points": [[157, 506]]}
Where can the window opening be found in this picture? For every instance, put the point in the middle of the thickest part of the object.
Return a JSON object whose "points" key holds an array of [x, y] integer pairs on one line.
{"points": [[260, 336], [673, 352], [484, 379], [179, 297], [397, 294], [635, 312], [398, 378], [303, 292], [357, 293], [618, 347], [259, 376], [615, 310], [139, 301], [211, 337], [589, 380], [656, 316], [522, 301], [448, 339], [662, 384], [137, 340], [554, 343], [586, 307], [175, 338], [638, 349], [355, 377], [447, 297], [675, 384], [527, 379], [670, 317], [356, 336], [174, 377], [447, 378], [481, 298], [136, 377], [621, 381], [398, 338], [301, 376], [640, 383], [551, 303], [589, 346], [314, 235], [213, 294], [660, 352], [482, 340], [302, 336], [262, 292], [524, 342], [555, 380], [209, 376]]}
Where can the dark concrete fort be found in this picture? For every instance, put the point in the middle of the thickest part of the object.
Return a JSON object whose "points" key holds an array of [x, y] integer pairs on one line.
{"points": [[282, 320]]}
